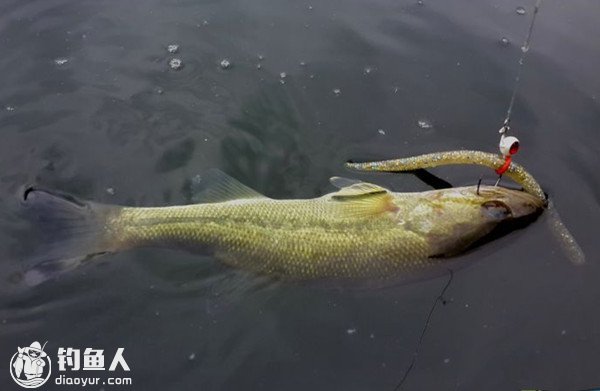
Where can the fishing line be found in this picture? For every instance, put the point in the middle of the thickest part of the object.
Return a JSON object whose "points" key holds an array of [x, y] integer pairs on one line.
{"points": [[510, 145], [524, 51], [439, 298]]}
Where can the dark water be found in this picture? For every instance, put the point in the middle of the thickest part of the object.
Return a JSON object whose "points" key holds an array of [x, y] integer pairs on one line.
{"points": [[113, 123]]}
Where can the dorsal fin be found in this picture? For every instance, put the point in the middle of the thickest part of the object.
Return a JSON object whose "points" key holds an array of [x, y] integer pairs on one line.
{"points": [[341, 182], [364, 199], [216, 186], [357, 190]]}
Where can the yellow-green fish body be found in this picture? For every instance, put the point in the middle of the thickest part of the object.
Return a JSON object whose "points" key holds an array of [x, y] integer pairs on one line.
{"points": [[360, 231]]}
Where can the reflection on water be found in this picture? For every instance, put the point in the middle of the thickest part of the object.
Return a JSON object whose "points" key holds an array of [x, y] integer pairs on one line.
{"points": [[267, 148], [90, 106]]}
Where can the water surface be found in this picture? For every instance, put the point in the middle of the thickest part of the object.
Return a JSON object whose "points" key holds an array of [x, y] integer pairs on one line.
{"points": [[90, 106]]}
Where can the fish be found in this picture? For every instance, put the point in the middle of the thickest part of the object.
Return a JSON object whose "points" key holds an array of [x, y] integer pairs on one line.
{"points": [[360, 231]]}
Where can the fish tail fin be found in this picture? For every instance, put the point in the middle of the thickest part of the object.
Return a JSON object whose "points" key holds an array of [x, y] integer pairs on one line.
{"points": [[66, 231]]}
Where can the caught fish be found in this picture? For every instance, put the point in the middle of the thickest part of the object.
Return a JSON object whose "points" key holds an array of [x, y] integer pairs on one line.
{"points": [[360, 231]]}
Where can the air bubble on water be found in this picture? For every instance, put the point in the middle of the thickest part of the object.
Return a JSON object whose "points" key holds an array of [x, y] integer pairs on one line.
{"points": [[367, 70], [351, 331], [446, 360], [10, 108], [159, 91], [311, 76], [504, 41], [420, 2], [520, 10], [225, 64], [205, 23], [381, 132], [110, 190], [176, 64], [261, 57], [61, 61], [372, 336], [302, 63], [524, 49], [424, 124], [192, 357], [283, 75], [337, 91], [310, 7], [258, 66], [173, 48]]}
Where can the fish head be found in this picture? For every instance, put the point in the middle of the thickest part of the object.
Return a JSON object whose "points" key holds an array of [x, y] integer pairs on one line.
{"points": [[498, 203], [457, 218]]}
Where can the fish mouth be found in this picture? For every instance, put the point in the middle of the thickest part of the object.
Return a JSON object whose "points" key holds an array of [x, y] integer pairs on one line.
{"points": [[523, 204], [511, 210], [505, 203]]}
